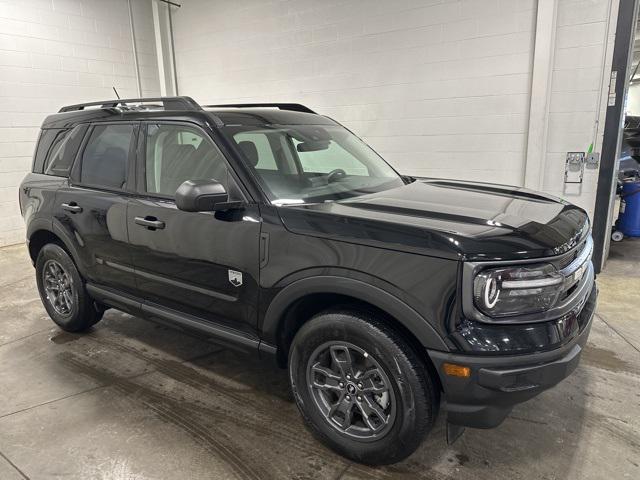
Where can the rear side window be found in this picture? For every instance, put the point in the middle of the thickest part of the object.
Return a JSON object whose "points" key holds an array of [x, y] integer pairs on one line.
{"points": [[106, 156], [48, 137], [63, 151]]}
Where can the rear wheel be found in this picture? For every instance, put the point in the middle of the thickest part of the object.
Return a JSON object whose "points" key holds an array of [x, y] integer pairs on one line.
{"points": [[361, 388], [63, 291]]}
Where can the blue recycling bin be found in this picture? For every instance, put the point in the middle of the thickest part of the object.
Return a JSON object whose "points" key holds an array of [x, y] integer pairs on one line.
{"points": [[629, 219]]}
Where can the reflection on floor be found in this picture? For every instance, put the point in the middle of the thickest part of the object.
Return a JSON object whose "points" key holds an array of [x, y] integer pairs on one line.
{"points": [[132, 400]]}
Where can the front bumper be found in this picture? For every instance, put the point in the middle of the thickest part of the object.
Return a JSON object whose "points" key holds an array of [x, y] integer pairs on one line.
{"points": [[498, 382]]}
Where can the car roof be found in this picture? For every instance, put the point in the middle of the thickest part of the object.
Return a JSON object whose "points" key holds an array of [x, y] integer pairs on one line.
{"points": [[185, 108], [267, 116]]}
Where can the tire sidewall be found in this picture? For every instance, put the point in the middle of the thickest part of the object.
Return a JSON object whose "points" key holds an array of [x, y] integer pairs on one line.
{"points": [[414, 415]]}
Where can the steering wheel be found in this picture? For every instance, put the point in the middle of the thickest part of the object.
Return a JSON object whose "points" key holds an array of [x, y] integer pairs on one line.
{"points": [[336, 174]]}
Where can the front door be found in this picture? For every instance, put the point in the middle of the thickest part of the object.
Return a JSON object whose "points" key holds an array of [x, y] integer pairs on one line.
{"points": [[203, 264], [91, 211]]}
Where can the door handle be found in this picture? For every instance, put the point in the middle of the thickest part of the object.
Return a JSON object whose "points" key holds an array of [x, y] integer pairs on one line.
{"points": [[72, 207], [152, 223]]}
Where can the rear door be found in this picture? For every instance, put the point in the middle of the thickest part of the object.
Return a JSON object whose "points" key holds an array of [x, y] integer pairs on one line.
{"points": [[203, 264], [91, 210]]}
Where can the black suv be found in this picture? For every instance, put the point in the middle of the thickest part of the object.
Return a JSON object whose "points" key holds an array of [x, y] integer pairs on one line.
{"points": [[274, 229]]}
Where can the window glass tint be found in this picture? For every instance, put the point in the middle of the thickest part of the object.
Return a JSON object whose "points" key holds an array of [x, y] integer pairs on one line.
{"points": [[177, 153], [104, 161], [311, 163], [328, 159], [63, 151], [45, 140], [257, 150]]}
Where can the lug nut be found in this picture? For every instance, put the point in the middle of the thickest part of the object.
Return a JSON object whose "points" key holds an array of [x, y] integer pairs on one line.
{"points": [[360, 385], [341, 385], [348, 377], [348, 397], [359, 398]]}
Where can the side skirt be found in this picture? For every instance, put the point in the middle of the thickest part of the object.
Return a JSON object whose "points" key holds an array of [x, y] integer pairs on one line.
{"points": [[216, 333]]}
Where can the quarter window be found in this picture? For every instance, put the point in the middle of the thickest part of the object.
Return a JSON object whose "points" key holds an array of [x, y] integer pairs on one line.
{"points": [[177, 153], [63, 151], [105, 158]]}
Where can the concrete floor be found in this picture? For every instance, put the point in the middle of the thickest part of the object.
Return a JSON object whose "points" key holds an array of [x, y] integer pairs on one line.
{"points": [[134, 401]]}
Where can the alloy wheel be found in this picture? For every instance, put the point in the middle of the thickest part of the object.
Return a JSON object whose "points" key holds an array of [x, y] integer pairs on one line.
{"points": [[58, 287], [351, 390]]}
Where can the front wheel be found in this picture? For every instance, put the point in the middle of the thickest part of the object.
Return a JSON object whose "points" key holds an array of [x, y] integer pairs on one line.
{"points": [[63, 292], [361, 388]]}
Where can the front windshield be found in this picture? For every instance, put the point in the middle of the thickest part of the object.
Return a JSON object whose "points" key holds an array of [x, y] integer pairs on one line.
{"points": [[310, 163]]}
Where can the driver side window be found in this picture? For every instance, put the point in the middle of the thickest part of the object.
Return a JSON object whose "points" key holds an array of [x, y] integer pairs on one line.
{"points": [[177, 153]]}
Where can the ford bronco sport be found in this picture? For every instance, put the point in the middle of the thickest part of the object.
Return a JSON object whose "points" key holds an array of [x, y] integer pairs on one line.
{"points": [[277, 230]]}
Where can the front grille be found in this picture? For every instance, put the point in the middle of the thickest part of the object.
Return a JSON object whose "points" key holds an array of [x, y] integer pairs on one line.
{"points": [[565, 260], [572, 266]]}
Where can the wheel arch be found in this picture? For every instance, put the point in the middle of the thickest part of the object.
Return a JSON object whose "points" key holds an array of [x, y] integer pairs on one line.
{"points": [[300, 300], [39, 237]]}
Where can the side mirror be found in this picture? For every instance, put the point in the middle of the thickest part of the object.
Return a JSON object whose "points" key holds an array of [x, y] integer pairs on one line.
{"points": [[201, 196]]}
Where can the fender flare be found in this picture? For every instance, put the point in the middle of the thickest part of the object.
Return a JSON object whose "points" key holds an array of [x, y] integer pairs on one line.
{"points": [[52, 227], [38, 224], [403, 313]]}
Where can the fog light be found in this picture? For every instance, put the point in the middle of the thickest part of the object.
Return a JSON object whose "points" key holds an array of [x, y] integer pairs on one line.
{"points": [[456, 370]]}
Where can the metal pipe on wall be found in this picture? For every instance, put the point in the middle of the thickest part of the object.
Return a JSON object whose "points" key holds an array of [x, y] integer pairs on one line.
{"points": [[540, 94], [135, 49], [172, 48], [163, 31]]}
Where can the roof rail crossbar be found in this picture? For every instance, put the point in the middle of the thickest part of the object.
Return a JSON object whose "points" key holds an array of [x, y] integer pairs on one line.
{"points": [[295, 107], [169, 103]]}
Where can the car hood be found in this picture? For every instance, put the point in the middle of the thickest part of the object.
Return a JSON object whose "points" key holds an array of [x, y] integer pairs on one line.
{"points": [[447, 218]]}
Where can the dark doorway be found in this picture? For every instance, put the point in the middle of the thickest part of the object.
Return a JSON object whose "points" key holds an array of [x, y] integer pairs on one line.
{"points": [[623, 66]]}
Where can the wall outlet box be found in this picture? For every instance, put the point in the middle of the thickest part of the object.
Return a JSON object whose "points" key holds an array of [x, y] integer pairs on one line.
{"points": [[592, 160]]}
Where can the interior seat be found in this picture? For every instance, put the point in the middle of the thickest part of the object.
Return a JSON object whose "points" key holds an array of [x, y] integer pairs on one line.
{"points": [[177, 166], [250, 152]]}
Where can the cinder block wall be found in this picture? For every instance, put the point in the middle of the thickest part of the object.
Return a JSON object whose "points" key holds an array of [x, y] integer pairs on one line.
{"points": [[579, 92], [56, 52], [439, 87]]}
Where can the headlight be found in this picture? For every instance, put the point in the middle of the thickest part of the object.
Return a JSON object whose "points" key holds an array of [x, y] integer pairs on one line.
{"points": [[517, 290]]}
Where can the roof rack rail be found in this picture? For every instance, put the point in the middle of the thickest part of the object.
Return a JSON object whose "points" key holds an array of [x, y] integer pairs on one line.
{"points": [[294, 107], [169, 103]]}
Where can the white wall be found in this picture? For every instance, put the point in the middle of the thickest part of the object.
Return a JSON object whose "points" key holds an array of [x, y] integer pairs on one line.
{"points": [[579, 92], [57, 52], [438, 87]]}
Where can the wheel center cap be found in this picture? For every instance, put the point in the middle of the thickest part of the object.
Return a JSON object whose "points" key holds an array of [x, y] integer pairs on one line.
{"points": [[351, 388]]}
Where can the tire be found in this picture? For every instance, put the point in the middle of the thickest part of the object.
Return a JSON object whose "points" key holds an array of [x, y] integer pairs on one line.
{"points": [[63, 290], [398, 420], [617, 236]]}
